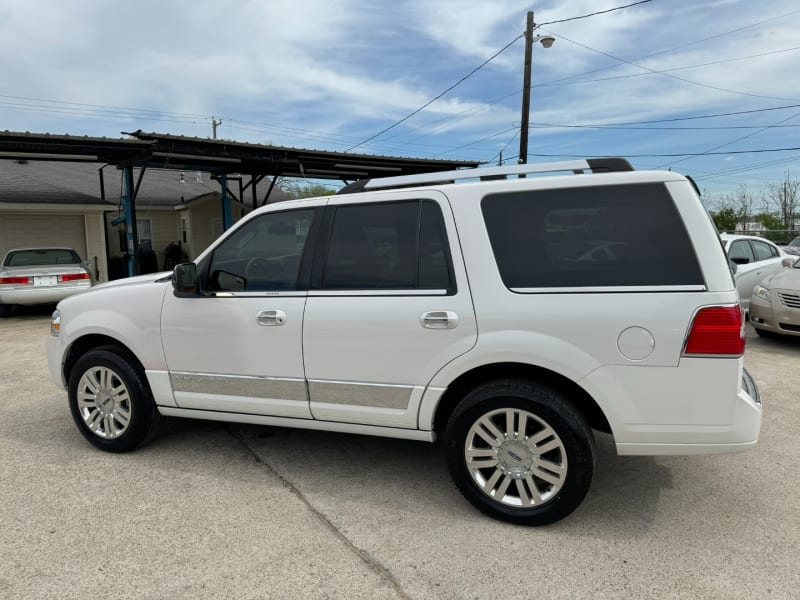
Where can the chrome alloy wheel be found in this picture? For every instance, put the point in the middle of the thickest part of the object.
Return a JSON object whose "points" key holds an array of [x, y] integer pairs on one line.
{"points": [[515, 458], [104, 403]]}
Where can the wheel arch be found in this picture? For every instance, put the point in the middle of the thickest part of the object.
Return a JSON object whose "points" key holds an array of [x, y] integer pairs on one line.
{"points": [[90, 341], [469, 380]]}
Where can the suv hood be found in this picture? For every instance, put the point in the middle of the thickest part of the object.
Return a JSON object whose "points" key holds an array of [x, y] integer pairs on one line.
{"points": [[138, 280]]}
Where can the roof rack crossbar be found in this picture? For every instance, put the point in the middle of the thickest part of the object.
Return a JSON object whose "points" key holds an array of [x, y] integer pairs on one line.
{"points": [[484, 174]]}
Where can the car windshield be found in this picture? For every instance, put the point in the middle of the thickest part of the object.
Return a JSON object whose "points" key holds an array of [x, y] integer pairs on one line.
{"points": [[795, 243], [42, 256]]}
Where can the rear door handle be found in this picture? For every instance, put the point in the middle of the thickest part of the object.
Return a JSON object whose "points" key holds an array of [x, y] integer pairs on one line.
{"points": [[439, 319], [271, 317]]}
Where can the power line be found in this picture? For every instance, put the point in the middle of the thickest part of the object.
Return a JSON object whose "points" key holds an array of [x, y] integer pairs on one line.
{"points": [[660, 71], [427, 104], [600, 12], [745, 168], [626, 155], [713, 87], [681, 47], [611, 127], [739, 139]]}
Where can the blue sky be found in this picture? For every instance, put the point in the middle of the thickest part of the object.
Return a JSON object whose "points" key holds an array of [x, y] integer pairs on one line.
{"points": [[328, 74]]}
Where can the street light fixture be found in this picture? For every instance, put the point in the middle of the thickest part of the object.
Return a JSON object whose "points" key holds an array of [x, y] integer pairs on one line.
{"points": [[547, 41]]}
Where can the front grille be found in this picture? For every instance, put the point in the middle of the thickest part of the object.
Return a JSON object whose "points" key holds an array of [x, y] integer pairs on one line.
{"points": [[790, 300], [789, 327]]}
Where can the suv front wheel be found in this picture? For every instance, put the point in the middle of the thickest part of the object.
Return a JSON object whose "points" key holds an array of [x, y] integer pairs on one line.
{"points": [[110, 401], [520, 452]]}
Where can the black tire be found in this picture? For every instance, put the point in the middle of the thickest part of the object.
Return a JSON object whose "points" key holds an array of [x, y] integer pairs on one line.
{"points": [[144, 420], [5, 310], [549, 408], [770, 335]]}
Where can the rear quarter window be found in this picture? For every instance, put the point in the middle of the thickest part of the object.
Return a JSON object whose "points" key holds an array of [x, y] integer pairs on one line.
{"points": [[603, 236]]}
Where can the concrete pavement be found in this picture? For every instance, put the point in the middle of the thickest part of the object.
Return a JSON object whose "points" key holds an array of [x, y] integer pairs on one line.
{"points": [[210, 510]]}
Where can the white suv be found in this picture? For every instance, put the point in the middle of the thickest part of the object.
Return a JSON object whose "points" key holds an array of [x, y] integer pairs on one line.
{"points": [[465, 304]]}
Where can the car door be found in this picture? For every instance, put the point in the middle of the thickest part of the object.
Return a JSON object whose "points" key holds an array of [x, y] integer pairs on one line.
{"points": [[768, 258], [389, 306], [237, 347], [748, 272]]}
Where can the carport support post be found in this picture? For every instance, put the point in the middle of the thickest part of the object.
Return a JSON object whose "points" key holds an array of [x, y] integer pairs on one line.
{"points": [[227, 214], [129, 205]]}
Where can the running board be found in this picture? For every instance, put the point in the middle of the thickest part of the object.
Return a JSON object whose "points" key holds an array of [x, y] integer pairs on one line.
{"points": [[210, 415]]}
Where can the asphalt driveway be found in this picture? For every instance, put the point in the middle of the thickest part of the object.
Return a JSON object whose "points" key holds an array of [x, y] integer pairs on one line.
{"points": [[211, 510]]}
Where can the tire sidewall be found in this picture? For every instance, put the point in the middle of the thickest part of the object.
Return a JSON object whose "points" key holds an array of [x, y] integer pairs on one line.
{"points": [[138, 391], [550, 407]]}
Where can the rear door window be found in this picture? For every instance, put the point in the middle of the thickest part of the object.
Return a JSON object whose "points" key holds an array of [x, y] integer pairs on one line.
{"points": [[388, 246], [763, 251], [596, 236]]}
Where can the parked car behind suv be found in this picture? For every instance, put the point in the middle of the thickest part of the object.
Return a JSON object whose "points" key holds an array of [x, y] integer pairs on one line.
{"points": [[30, 276], [440, 306], [756, 258]]}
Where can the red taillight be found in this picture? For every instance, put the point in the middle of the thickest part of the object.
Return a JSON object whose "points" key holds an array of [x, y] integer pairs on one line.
{"points": [[15, 280], [73, 277], [717, 331]]}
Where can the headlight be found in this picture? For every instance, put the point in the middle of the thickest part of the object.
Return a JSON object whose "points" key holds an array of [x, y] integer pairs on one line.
{"points": [[55, 324], [761, 292]]}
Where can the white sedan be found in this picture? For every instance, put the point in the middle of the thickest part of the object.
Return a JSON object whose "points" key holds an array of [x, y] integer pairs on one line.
{"points": [[755, 258], [41, 276]]}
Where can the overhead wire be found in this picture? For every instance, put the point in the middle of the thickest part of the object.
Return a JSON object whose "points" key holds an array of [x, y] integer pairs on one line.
{"points": [[432, 100], [705, 85], [599, 12]]}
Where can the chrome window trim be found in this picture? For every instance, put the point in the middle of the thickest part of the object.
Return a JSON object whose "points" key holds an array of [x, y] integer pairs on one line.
{"points": [[381, 292], [264, 294], [609, 289]]}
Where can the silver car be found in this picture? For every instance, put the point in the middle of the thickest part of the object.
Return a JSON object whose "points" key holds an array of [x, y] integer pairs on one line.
{"points": [[775, 305], [41, 276]]}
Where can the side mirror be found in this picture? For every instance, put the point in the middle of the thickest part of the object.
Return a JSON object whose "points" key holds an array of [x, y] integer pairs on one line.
{"points": [[741, 260], [184, 280], [788, 261]]}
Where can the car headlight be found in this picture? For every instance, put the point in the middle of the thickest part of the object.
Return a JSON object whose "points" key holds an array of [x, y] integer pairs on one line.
{"points": [[55, 324], [762, 292]]}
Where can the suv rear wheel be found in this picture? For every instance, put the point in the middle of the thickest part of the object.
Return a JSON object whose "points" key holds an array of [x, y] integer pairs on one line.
{"points": [[520, 452], [110, 401]]}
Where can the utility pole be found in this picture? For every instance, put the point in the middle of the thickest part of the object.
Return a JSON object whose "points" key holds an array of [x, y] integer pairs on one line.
{"points": [[214, 125], [526, 91]]}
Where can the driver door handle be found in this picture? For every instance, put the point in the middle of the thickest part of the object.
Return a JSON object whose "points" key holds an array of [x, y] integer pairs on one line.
{"points": [[439, 319], [271, 317]]}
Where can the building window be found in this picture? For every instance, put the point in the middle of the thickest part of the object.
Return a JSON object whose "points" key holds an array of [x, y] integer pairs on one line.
{"points": [[145, 231]]}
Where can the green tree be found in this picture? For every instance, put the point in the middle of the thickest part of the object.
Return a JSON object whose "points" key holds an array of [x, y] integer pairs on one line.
{"points": [[301, 189], [725, 219]]}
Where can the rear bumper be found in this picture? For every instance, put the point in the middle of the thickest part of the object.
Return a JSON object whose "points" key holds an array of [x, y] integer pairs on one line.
{"points": [[746, 427], [703, 406], [41, 295]]}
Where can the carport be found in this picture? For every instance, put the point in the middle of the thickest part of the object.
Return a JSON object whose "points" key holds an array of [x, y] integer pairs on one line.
{"points": [[238, 167]]}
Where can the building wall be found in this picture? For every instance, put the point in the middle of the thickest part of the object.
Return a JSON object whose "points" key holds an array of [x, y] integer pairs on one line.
{"points": [[163, 229], [204, 231], [41, 225]]}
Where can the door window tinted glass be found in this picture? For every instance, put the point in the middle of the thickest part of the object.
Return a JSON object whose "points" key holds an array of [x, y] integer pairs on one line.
{"points": [[762, 250], [262, 255], [390, 245], [741, 252], [628, 235]]}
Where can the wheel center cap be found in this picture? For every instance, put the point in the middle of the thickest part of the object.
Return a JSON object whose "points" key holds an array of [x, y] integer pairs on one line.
{"points": [[515, 456], [105, 403]]}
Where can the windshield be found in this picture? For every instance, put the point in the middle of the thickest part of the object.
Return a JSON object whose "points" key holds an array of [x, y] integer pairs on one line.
{"points": [[42, 256], [795, 243]]}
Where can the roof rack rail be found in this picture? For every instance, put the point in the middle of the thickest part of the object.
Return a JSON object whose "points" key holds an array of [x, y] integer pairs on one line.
{"points": [[595, 165]]}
